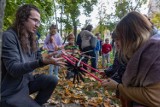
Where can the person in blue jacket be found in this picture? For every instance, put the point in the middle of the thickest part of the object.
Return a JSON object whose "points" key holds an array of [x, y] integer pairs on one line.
{"points": [[97, 49]]}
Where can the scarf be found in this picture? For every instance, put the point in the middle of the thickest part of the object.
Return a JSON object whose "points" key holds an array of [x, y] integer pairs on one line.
{"points": [[143, 68]]}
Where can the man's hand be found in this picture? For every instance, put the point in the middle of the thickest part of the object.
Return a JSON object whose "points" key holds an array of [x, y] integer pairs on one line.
{"points": [[50, 59]]}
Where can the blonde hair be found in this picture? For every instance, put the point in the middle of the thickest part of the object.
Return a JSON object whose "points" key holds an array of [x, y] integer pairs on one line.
{"points": [[133, 31]]}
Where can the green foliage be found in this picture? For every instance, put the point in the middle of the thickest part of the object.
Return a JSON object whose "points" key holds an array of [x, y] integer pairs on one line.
{"points": [[88, 6], [45, 7], [122, 8], [156, 20], [10, 10], [71, 12], [102, 15], [125, 6]]}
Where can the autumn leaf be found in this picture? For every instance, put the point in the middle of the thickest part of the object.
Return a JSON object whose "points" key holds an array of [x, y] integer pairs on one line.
{"points": [[66, 101], [106, 103], [88, 93]]}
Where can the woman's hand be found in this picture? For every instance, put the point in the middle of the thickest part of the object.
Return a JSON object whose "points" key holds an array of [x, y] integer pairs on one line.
{"points": [[110, 83], [103, 74]]}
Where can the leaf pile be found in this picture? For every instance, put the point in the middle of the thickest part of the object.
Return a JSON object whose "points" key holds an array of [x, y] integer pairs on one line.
{"points": [[89, 93]]}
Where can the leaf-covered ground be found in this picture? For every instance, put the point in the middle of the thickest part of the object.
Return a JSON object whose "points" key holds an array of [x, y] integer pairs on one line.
{"points": [[89, 93]]}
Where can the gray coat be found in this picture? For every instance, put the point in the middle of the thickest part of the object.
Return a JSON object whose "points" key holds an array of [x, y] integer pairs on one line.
{"points": [[16, 69], [86, 37]]}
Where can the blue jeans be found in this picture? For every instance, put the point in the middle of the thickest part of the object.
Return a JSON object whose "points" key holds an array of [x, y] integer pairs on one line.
{"points": [[105, 57], [97, 54], [53, 68]]}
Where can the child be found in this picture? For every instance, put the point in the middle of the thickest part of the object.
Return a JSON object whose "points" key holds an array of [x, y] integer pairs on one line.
{"points": [[106, 48], [72, 49], [97, 49], [53, 42]]}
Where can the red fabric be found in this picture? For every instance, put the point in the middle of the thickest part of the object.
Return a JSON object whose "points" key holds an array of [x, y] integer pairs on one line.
{"points": [[106, 48]]}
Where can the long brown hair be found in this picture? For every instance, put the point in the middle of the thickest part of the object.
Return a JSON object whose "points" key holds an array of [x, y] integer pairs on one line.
{"points": [[27, 41], [133, 31]]}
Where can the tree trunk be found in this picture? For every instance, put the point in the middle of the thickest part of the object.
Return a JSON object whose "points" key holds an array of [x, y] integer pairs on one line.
{"points": [[75, 31], [75, 28], [2, 7]]}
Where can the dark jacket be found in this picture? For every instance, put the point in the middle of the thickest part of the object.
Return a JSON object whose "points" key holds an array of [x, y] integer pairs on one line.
{"points": [[16, 67], [116, 70]]}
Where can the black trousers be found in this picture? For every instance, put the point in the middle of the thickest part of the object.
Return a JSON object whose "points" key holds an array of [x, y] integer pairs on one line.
{"points": [[92, 54], [43, 84]]}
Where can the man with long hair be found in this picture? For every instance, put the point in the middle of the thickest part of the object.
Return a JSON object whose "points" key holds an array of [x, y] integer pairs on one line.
{"points": [[20, 58]]}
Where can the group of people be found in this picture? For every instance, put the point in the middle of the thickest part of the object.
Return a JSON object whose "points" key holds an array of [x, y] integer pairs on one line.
{"points": [[94, 47], [86, 42], [134, 74]]}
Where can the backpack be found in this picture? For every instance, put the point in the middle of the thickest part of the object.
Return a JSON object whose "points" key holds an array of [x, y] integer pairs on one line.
{"points": [[88, 39], [93, 42]]}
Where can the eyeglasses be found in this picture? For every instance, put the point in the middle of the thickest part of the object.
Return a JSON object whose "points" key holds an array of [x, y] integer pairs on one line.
{"points": [[37, 22]]}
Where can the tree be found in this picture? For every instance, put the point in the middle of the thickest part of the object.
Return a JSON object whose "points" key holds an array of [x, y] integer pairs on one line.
{"points": [[72, 11], [2, 7], [48, 8], [125, 6], [102, 15], [122, 7], [156, 20], [45, 6]]}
